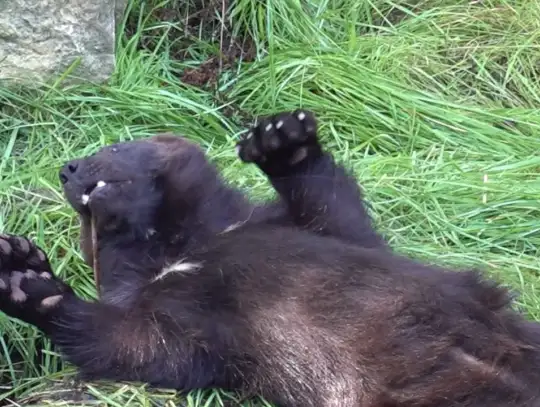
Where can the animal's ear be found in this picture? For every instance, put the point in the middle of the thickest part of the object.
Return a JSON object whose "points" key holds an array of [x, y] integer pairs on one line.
{"points": [[183, 168], [175, 153]]}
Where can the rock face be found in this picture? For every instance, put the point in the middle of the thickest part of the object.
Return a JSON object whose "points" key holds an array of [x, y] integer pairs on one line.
{"points": [[41, 39]]}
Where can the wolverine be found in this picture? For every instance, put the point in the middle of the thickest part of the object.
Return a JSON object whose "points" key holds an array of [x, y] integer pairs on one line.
{"points": [[298, 300]]}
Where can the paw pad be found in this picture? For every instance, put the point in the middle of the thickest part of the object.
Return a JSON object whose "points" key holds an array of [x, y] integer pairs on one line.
{"points": [[281, 141], [18, 252], [5, 247], [30, 293], [51, 301], [28, 288], [17, 295], [300, 155], [45, 275], [23, 244]]}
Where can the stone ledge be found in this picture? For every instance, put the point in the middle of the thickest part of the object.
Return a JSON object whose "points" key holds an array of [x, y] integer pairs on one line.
{"points": [[39, 40]]}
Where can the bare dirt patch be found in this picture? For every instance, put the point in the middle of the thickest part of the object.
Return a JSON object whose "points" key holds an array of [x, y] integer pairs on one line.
{"points": [[201, 20]]}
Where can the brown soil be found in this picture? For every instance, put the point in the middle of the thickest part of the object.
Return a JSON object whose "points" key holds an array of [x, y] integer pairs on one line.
{"points": [[199, 17], [207, 73]]}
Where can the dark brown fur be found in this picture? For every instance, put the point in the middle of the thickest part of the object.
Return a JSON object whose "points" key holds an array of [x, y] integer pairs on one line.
{"points": [[298, 301]]}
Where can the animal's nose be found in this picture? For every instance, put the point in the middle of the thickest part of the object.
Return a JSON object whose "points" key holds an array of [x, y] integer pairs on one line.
{"points": [[68, 170]]}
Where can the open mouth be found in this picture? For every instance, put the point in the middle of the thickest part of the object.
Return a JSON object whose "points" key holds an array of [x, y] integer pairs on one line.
{"points": [[86, 196]]}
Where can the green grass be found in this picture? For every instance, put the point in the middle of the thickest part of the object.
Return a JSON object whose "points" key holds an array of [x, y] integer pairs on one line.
{"points": [[422, 101]]}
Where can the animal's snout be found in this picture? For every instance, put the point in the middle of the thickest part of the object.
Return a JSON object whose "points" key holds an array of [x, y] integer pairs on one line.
{"points": [[68, 171]]}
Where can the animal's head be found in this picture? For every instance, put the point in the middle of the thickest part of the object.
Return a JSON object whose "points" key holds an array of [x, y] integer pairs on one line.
{"points": [[131, 186]]}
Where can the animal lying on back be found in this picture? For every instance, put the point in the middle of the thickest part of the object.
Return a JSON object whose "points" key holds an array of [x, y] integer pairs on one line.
{"points": [[299, 301]]}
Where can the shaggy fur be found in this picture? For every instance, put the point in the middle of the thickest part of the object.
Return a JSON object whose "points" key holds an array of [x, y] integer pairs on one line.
{"points": [[299, 301], [162, 197]]}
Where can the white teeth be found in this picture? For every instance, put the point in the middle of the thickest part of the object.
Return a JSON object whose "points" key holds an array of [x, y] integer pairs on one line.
{"points": [[85, 198]]}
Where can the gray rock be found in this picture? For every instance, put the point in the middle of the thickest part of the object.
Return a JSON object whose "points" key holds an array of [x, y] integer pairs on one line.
{"points": [[41, 39]]}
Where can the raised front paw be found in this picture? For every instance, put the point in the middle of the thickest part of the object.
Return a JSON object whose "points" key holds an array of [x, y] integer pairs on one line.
{"points": [[28, 288], [280, 143]]}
